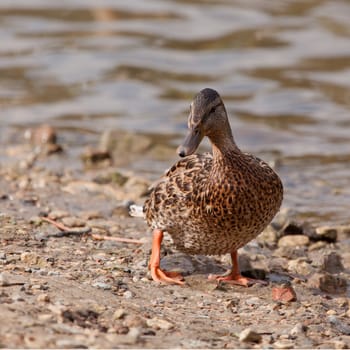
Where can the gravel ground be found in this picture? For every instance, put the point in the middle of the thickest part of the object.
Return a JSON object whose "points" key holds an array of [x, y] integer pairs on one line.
{"points": [[81, 288]]}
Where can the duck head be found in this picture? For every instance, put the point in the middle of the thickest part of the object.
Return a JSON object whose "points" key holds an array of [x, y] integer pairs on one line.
{"points": [[207, 117]]}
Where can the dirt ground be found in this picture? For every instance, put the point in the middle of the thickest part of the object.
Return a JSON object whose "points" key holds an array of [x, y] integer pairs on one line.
{"points": [[81, 289]]}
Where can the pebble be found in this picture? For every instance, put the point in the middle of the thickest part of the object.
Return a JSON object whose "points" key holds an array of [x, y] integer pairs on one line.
{"points": [[134, 321], [333, 263], [292, 228], [119, 313], [297, 330], [131, 338], [339, 325], [70, 343], [43, 298], [71, 221], [42, 134], [17, 298], [4, 281], [92, 157], [328, 283], [253, 301], [102, 285], [248, 335], [317, 245], [300, 266], [159, 323], [46, 317], [283, 344], [269, 235], [128, 294], [58, 214], [325, 233], [30, 258], [343, 229], [284, 293], [293, 241]]}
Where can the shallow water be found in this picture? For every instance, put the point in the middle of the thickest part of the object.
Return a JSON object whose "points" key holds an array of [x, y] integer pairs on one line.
{"points": [[283, 69]]}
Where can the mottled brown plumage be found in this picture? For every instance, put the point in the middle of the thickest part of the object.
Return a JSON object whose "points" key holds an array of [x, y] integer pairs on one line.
{"points": [[213, 203]]}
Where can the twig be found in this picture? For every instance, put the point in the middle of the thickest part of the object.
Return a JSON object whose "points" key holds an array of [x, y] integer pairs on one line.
{"points": [[57, 224], [64, 230], [71, 232], [116, 239]]}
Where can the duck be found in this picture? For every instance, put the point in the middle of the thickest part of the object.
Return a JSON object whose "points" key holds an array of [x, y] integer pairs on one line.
{"points": [[211, 203]]}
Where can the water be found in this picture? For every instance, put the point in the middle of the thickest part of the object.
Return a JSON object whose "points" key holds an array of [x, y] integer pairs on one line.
{"points": [[283, 69]]}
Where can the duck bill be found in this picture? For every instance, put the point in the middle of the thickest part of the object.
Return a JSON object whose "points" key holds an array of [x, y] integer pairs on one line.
{"points": [[190, 144]]}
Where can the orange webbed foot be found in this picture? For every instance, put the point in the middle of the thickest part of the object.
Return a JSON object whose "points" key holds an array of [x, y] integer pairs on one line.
{"points": [[159, 275], [169, 277], [236, 280], [234, 277]]}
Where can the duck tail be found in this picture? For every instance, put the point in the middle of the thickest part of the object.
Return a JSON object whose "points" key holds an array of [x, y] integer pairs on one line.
{"points": [[136, 210]]}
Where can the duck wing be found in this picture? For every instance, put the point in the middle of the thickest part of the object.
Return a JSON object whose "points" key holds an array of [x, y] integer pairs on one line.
{"points": [[173, 194]]}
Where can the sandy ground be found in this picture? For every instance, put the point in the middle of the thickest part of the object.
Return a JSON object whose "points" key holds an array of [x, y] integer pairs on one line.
{"points": [[73, 290]]}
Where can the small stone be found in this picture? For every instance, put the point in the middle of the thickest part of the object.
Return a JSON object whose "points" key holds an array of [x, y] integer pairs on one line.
{"points": [[249, 336], [159, 323], [339, 324], [102, 285], [46, 317], [253, 301], [90, 215], [326, 233], [134, 321], [284, 293], [132, 337], [300, 266], [328, 283], [118, 314], [70, 343], [128, 294], [42, 134], [92, 157], [331, 312], [343, 229], [17, 298], [317, 245], [71, 221], [30, 258], [292, 228], [282, 218], [283, 344], [43, 298], [57, 309], [269, 235], [297, 330], [330, 262], [58, 214], [4, 281], [339, 344], [293, 241]]}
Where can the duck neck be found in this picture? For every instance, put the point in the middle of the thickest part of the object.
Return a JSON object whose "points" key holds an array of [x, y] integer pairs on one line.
{"points": [[223, 144]]}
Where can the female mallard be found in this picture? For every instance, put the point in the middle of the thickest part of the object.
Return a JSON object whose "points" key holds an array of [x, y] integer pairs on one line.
{"points": [[211, 204]]}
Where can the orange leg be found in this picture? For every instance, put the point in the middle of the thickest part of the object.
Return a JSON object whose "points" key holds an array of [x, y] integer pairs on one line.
{"points": [[159, 275], [235, 277]]}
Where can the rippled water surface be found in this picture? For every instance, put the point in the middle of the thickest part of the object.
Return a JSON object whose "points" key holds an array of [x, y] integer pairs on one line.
{"points": [[282, 67]]}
